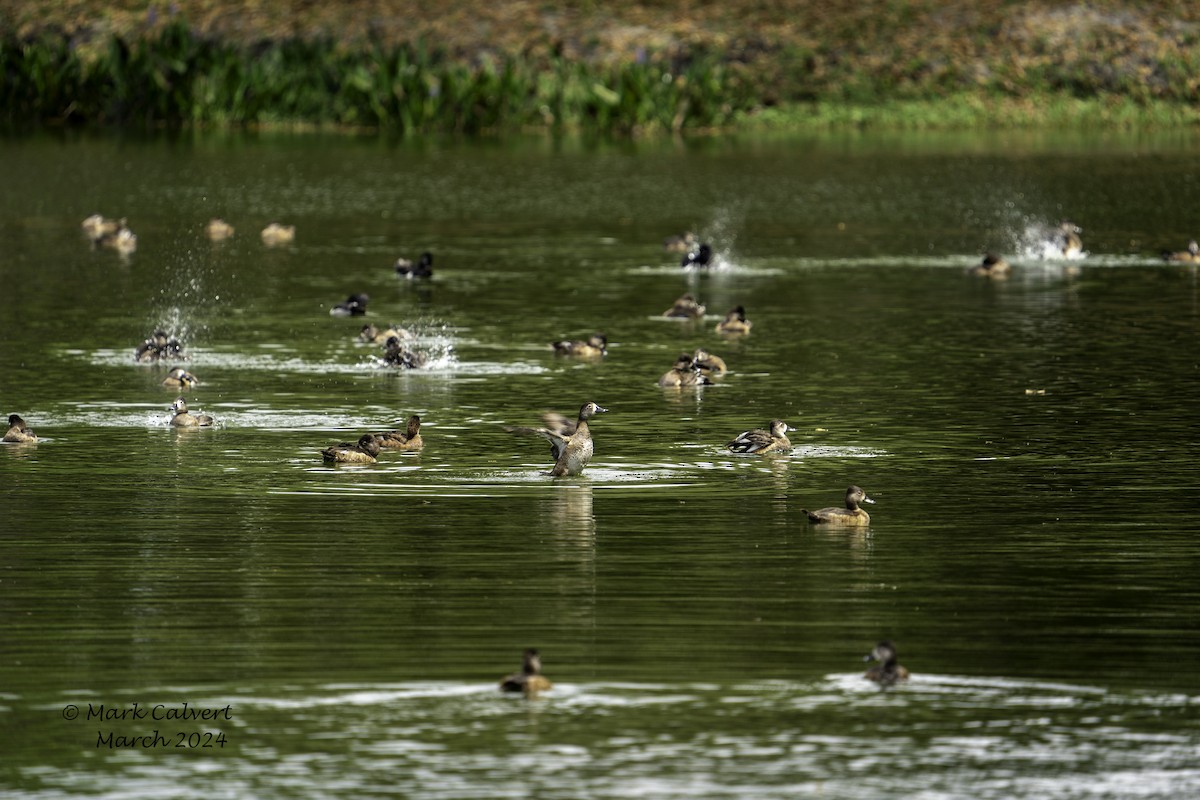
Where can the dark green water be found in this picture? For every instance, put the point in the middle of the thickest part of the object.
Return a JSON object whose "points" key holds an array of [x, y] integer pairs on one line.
{"points": [[1032, 555]]}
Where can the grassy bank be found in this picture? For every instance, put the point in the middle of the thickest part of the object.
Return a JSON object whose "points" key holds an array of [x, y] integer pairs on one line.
{"points": [[613, 68]]}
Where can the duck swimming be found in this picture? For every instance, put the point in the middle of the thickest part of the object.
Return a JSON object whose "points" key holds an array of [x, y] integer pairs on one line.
{"points": [[1189, 256], [218, 230], [685, 307], [363, 452], [18, 431], [423, 268], [770, 440], [529, 680], [98, 229], [735, 322], [276, 235], [410, 439], [183, 419], [595, 346], [180, 378], [992, 266], [571, 452], [851, 514], [685, 372], [708, 363], [700, 258], [354, 306], [887, 671]]}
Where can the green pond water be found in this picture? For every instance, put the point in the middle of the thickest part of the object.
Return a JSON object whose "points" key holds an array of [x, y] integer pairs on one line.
{"points": [[1031, 444]]}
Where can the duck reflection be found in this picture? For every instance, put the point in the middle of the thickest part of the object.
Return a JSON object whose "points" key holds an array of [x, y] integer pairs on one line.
{"points": [[570, 514]]}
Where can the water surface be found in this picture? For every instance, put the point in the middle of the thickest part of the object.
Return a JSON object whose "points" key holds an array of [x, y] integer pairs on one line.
{"points": [[1030, 442]]}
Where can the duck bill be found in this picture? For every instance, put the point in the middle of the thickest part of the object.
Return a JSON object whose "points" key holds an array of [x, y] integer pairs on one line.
{"points": [[867, 500], [601, 409]]}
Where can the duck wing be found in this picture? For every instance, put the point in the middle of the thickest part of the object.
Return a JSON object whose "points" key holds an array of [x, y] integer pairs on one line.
{"points": [[558, 442], [750, 441]]}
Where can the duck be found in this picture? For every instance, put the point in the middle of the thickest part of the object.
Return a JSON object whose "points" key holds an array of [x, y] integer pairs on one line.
{"points": [[125, 241], [887, 671], [183, 419], [218, 230], [409, 440], [1064, 241], [735, 322], [1189, 256], [595, 346], [373, 335], [709, 363], [680, 243], [685, 307], [354, 306], [275, 235], [98, 228], [180, 378], [700, 258], [530, 680], [363, 452], [158, 346], [18, 431], [850, 515], [423, 268], [571, 452], [759, 440], [992, 266], [685, 372], [395, 354]]}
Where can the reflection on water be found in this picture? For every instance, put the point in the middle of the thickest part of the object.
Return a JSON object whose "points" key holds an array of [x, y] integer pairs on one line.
{"points": [[1031, 553]]}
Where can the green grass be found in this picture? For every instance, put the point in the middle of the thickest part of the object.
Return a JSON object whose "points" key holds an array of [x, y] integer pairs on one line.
{"points": [[173, 77]]}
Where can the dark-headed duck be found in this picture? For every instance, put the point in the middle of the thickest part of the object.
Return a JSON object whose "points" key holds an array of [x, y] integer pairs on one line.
{"points": [[529, 680], [363, 452], [422, 268], [851, 514], [594, 346], [409, 439], [18, 431], [887, 671], [183, 419], [735, 321]]}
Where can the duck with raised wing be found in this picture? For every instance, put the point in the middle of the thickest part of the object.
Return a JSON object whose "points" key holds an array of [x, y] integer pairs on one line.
{"points": [[595, 346], [571, 452], [685, 372], [18, 432], [851, 514], [362, 452], [276, 235], [992, 266], [887, 671], [180, 378], [184, 419], [685, 307], [771, 439], [735, 322], [408, 439], [530, 680], [421, 268]]}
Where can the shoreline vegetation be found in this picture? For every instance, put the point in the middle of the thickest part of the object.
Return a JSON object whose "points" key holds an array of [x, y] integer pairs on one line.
{"points": [[613, 69]]}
